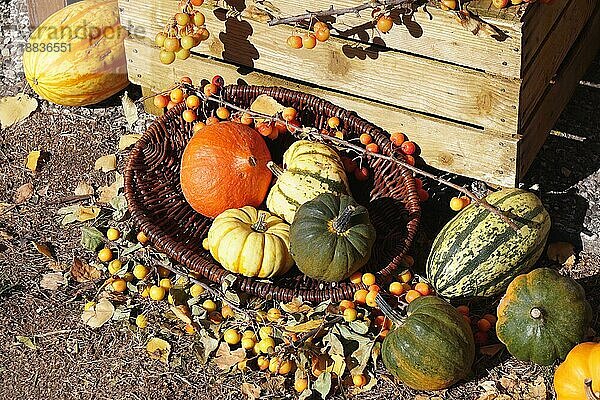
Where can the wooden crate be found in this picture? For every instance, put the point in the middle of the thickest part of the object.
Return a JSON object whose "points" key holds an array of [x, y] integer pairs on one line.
{"points": [[40, 10], [478, 106]]}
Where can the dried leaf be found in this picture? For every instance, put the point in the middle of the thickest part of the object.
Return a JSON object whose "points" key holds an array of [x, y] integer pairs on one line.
{"points": [[107, 193], [91, 238], [26, 341], [296, 306], [52, 280], [266, 104], [119, 203], [84, 189], [99, 314], [225, 358], [83, 214], [562, 252], [305, 326], [43, 249], [15, 109], [159, 349], [106, 163], [31, 162], [254, 13], [183, 313], [323, 384], [126, 141], [204, 346], [23, 193], [130, 110], [250, 390], [83, 272], [537, 389]]}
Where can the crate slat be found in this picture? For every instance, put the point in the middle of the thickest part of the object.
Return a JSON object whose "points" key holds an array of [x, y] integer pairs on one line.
{"points": [[557, 95], [40, 10], [446, 145], [551, 55], [453, 92]]}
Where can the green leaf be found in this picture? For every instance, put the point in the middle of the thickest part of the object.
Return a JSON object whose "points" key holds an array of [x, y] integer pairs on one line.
{"points": [[91, 238], [360, 327], [131, 249], [376, 352], [323, 384], [27, 342], [119, 203]]}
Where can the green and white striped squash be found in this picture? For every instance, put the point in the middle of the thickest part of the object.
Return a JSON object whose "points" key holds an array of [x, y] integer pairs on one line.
{"points": [[309, 169], [477, 254]]}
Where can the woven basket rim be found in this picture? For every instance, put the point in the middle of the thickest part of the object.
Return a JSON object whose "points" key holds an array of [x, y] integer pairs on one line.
{"points": [[266, 289]]}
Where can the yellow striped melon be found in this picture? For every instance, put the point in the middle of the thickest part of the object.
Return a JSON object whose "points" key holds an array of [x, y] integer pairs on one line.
{"points": [[477, 254], [76, 57]]}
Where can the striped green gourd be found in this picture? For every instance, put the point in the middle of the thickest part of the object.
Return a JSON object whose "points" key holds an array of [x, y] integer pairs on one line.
{"points": [[309, 169], [477, 254]]}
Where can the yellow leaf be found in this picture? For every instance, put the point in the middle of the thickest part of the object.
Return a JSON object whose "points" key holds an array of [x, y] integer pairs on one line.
{"points": [[43, 249], [83, 213], [295, 306], [265, 104], [130, 110], [128, 140], [158, 349], [15, 109], [107, 193], [106, 163], [305, 326], [32, 160], [225, 358], [99, 314]]}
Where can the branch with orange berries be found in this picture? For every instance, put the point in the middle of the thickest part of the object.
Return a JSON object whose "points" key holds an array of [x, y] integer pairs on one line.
{"points": [[210, 92]]}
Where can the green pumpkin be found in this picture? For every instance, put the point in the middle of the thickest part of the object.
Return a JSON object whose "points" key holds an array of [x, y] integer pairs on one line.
{"points": [[477, 254], [331, 237], [309, 169], [542, 316], [432, 348]]}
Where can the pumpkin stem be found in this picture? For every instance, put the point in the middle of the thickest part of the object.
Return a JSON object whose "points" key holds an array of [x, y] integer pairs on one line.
{"points": [[341, 223], [389, 312], [536, 313], [275, 169], [260, 225], [589, 392]]}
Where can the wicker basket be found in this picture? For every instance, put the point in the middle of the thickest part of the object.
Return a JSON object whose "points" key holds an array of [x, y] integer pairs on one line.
{"points": [[159, 209]]}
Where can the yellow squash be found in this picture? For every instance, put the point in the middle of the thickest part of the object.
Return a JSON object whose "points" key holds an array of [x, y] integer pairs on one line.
{"points": [[77, 56], [578, 377], [251, 242]]}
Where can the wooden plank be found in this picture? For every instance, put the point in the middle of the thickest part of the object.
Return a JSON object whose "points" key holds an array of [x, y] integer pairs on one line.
{"points": [[557, 95], [390, 77], [551, 55], [40, 10], [435, 34], [537, 23], [445, 145]]}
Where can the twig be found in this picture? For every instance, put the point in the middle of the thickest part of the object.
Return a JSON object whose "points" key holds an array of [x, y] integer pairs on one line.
{"points": [[8, 209], [339, 11], [70, 199], [346, 145]]}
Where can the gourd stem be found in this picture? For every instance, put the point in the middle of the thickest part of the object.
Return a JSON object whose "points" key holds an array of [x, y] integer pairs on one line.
{"points": [[275, 169], [389, 312], [260, 225], [535, 313], [341, 223], [589, 392]]}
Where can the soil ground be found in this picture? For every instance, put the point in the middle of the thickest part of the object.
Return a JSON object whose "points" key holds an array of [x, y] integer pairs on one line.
{"points": [[75, 362]]}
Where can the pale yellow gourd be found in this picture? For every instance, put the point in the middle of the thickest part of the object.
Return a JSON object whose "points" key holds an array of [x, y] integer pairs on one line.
{"points": [[251, 242]]}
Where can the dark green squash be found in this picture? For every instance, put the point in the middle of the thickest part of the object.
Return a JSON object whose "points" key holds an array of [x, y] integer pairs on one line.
{"points": [[431, 348], [542, 316], [331, 237]]}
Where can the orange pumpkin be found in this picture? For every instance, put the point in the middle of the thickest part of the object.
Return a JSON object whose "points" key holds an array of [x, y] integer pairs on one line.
{"points": [[76, 57], [225, 166], [578, 377]]}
